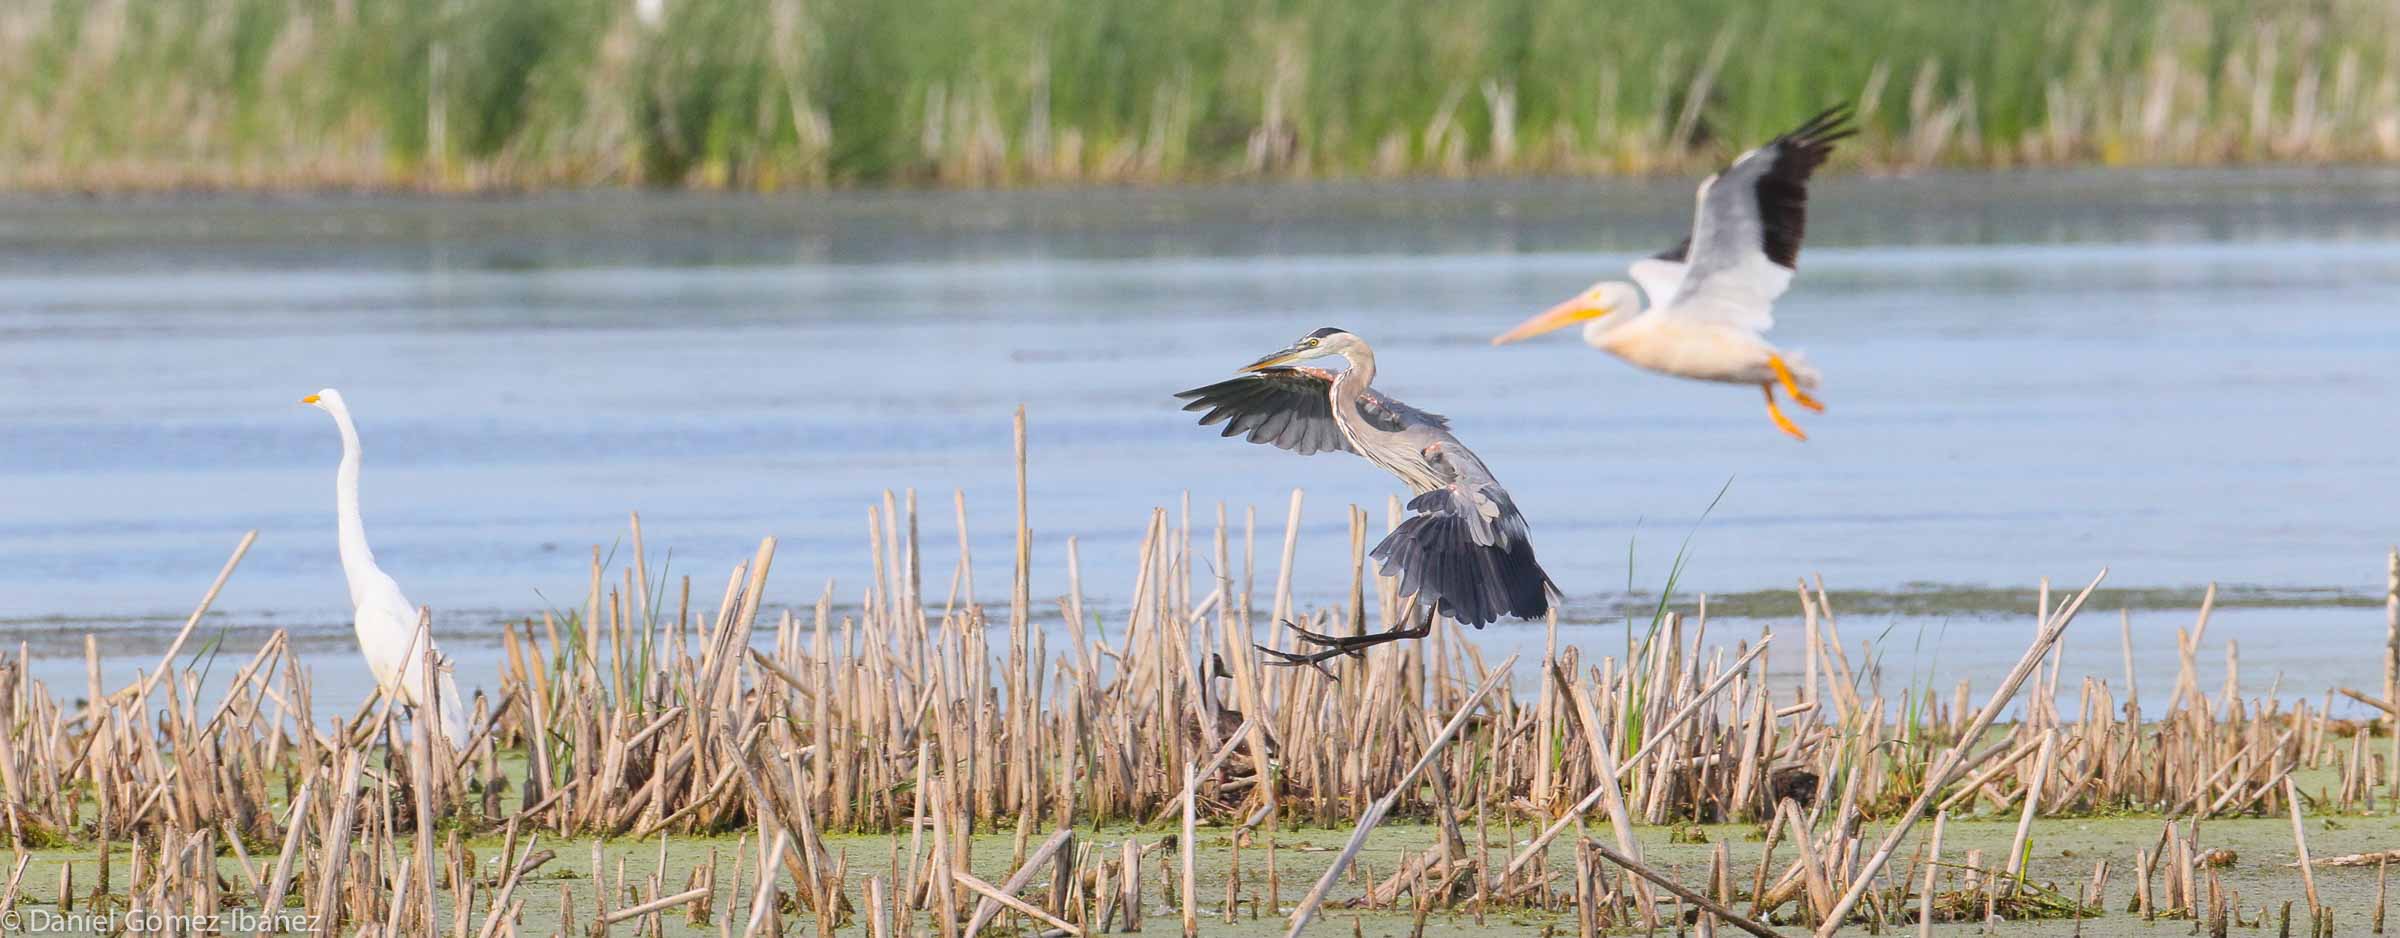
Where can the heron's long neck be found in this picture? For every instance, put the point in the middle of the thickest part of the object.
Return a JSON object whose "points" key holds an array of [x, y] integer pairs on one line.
{"points": [[357, 560], [1361, 373]]}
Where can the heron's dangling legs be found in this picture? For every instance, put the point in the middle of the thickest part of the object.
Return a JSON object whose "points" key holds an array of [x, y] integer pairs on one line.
{"points": [[1777, 413], [1783, 373], [1355, 646]]}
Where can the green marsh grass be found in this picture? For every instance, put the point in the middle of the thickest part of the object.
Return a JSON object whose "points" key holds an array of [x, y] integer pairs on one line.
{"points": [[482, 94]]}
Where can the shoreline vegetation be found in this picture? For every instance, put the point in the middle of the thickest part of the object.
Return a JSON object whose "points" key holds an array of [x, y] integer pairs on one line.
{"points": [[490, 95], [926, 765], [1962, 601]]}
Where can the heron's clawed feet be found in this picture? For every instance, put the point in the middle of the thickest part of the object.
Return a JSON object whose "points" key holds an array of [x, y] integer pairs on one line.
{"points": [[1336, 646], [1285, 659]]}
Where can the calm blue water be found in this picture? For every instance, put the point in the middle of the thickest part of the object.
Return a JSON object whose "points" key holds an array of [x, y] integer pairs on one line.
{"points": [[2184, 376]]}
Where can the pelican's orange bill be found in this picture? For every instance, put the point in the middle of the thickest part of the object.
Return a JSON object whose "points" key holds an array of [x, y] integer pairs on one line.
{"points": [[1557, 317]]}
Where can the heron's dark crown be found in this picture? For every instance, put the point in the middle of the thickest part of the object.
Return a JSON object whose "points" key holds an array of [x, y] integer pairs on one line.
{"points": [[1327, 331]]}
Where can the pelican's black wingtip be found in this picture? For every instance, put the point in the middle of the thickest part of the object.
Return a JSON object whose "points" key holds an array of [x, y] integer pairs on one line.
{"points": [[1821, 130]]}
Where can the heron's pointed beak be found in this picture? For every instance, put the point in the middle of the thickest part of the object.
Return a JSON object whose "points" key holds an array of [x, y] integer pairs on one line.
{"points": [[1557, 317], [311, 399], [1286, 355]]}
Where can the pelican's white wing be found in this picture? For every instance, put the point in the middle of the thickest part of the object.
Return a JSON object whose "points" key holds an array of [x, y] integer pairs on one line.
{"points": [[1661, 274], [1746, 234]]}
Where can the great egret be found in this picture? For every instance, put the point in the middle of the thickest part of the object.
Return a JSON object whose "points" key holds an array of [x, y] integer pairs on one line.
{"points": [[386, 621], [1465, 553], [1715, 292]]}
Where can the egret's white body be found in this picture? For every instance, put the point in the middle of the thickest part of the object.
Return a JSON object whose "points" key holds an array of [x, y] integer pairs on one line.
{"points": [[385, 620], [1711, 299]]}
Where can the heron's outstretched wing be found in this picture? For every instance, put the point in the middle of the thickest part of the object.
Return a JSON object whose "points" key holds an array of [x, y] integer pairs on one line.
{"points": [[1746, 234], [1292, 408], [1466, 549]]}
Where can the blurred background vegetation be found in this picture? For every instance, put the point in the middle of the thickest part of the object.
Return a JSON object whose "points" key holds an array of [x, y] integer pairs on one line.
{"points": [[772, 94]]}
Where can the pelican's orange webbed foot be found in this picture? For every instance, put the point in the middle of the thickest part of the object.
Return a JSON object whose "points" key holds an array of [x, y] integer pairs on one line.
{"points": [[1783, 373], [1781, 421]]}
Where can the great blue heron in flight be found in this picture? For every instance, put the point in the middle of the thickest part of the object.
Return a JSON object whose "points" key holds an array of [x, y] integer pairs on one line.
{"points": [[1715, 292], [1464, 553]]}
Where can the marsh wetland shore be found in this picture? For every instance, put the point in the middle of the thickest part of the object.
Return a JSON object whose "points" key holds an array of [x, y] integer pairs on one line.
{"points": [[922, 764]]}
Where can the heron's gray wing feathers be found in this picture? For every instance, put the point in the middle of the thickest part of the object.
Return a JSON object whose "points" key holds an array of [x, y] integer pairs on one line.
{"points": [[1470, 492], [1746, 234], [1290, 408], [1389, 415], [1466, 549]]}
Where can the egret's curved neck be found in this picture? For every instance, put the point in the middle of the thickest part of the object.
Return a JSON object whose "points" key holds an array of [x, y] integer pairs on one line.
{"points": [[357, 560]]}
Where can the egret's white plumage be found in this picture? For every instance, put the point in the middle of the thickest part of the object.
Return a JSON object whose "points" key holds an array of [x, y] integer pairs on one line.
{"points": [[386, 621], [1712, 297]]}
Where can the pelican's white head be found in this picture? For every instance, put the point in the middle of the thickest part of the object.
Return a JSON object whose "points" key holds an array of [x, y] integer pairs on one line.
{"points": [[1593, 307]]}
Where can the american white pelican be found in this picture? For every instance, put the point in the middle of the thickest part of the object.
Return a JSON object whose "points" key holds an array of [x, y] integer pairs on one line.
{"points": [[1714, 294], [386, 621]]}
